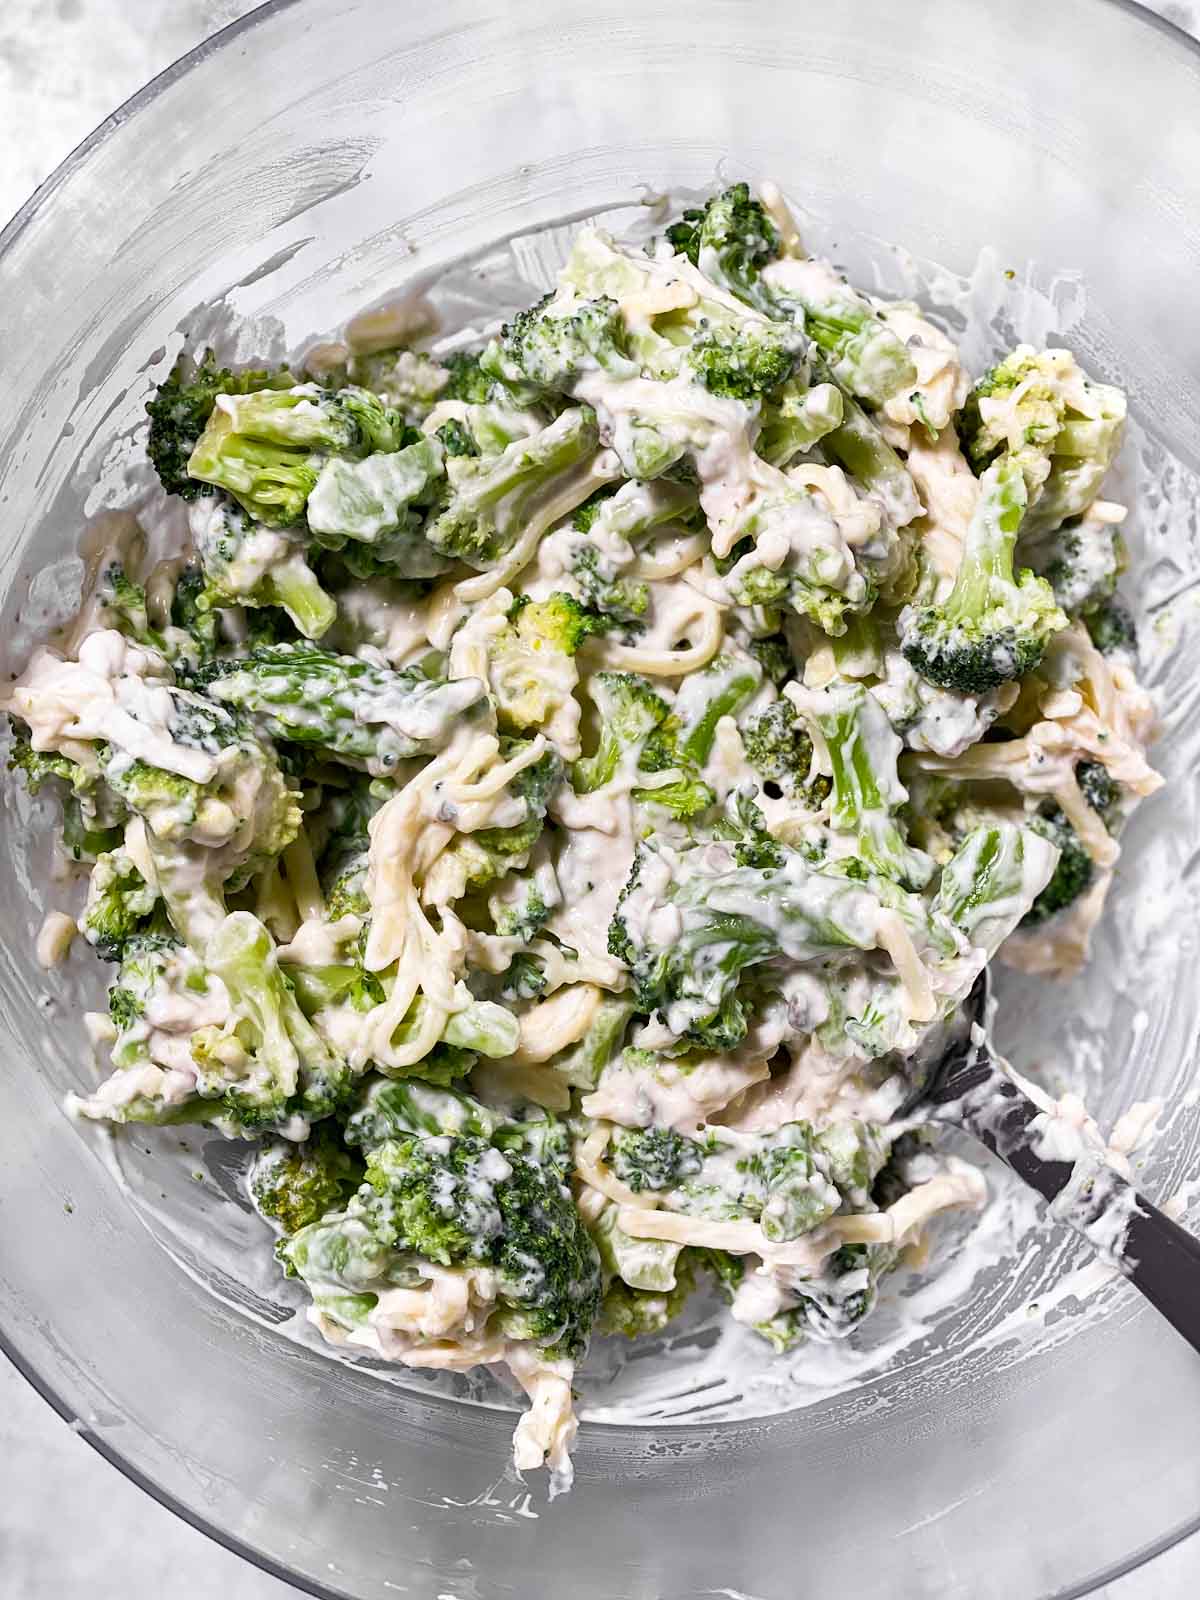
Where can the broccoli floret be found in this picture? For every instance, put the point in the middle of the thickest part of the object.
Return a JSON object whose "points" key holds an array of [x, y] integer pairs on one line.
{"points": [[745, 364], [1073, 874], [789, 1180], [817, 576], [605, 530], [639, 1313], [991, 881], [622, 602], [796, 418], [193, 614], [467, 382], [535, 783], [491, 853], [267, 1064], [551, 345], [731, 239], [493, 500], [351, 421], [832, 1304], [779, 749], [717, 690], [628, 710], [120, 904], [1099, 788], [245, 564], [685, 798], [267, 449], [296, 1184], [144, 959], [359, 714], [371, 510], [1112, 628], [460, 1200], [584, 516], [994, 625], [862, 753], [744, 826], [343, 859], [39, 766], [409, 380], [727, 919], [1082, 563], [261, 1068], [727, 1269], [523, 979], [180, 411], [91, 816], [391, 1108], [210, 834], [652, 1158], [561, 621], [1039, 410], [125, 601], [858, 445], [457, 439], [520, 905]]}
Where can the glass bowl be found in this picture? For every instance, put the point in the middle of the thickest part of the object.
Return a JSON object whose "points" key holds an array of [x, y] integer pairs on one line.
{"points": [[1039, 1437]]}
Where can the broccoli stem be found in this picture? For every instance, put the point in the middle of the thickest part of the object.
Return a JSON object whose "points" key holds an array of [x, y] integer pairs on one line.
{"points": [[991, 541], [293, 585]]}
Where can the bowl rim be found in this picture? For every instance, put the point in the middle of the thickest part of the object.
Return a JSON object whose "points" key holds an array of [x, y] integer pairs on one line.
{"points": [[21, 219]]}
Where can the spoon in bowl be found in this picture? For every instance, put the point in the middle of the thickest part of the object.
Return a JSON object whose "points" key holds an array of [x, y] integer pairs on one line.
{"points": [[961, 1085]]}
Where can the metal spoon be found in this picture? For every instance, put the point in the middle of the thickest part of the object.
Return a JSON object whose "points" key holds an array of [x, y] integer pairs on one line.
{"points": [[958, 1083]]}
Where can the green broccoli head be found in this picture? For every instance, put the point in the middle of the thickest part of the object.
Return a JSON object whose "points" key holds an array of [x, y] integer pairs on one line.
{"points": [[628, 711], [731, 239], [747, 362], [399, 1108], [639, 1313], [779, 749], [192, 612], [91, 815], [1099, 788], [745, 828], [267, 448], [620, 602], [407, 380], [179, 413], [995, 624], [294, 1185], [144, 958], [468, 381], [1073, 874], [492, 500], [1112, 628], [1039, 409], [458, 1199], [1085, 558], [652, 1159], [120, 905], [457, 439], [552, 344], [267, 1064], [245, 564]]}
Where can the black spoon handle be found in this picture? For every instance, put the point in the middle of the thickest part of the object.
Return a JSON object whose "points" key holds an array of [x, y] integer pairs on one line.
{"points": [[1156, 1254]]}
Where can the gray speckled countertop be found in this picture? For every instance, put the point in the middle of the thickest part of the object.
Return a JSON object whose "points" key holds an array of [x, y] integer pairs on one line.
{"points": [[69, 1524]]}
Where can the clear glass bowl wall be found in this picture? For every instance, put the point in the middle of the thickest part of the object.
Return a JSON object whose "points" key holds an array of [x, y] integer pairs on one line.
{"points": [[307, 161]]}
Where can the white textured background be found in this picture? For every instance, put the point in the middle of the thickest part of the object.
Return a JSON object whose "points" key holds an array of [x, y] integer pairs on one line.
{"points": [[69, 1524]]}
